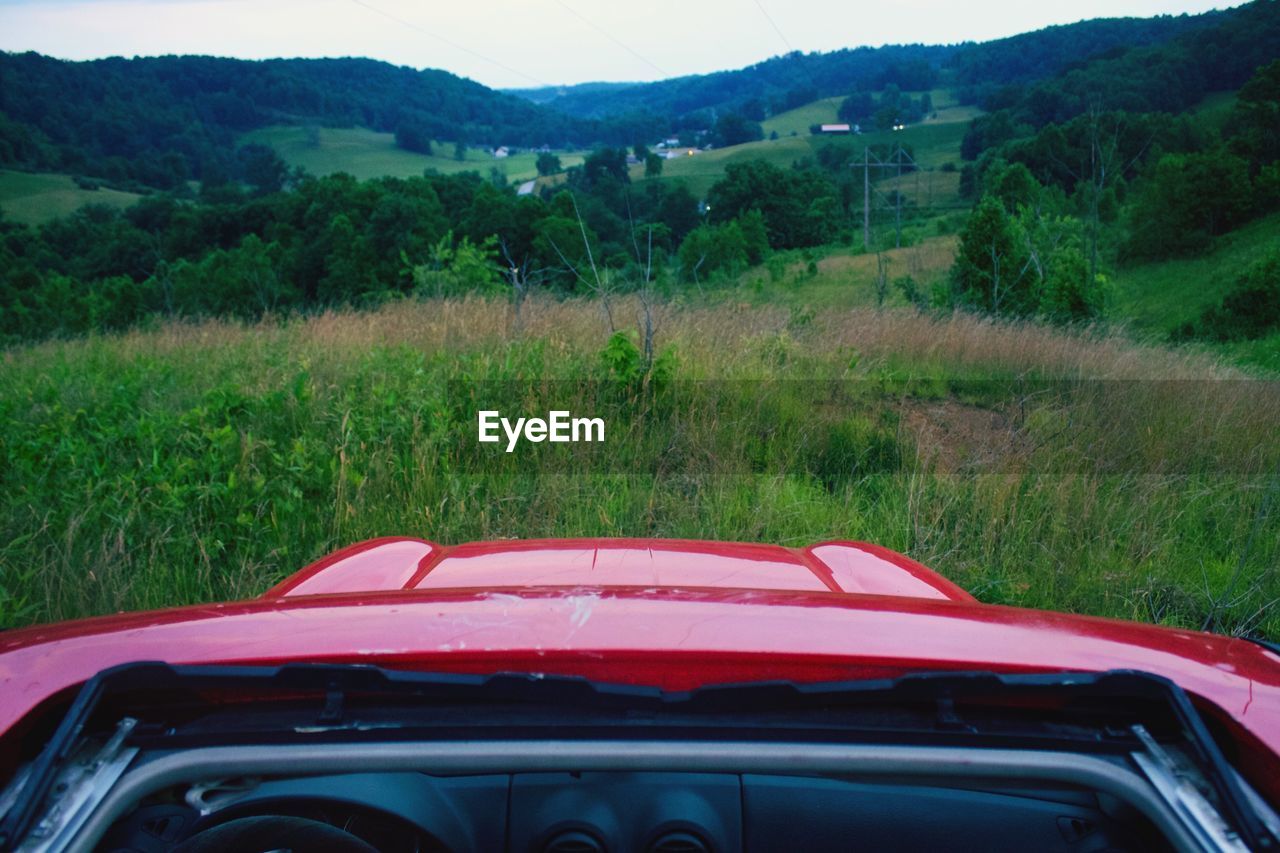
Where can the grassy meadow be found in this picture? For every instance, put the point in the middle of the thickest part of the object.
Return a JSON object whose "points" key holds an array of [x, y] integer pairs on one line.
{"points": [[798, 121], [198, 462], [32, 198], [1153, 299], [935, 141], [365, 154], [1097, 471]]}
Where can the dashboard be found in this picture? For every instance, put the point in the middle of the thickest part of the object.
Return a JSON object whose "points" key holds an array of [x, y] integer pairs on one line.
{"points": [[662, 812]]}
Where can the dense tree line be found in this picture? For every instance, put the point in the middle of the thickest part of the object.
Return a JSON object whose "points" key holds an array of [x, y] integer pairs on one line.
{"points": [[886, 110], [983, 70], [161, 121], [1168, 77], [1177, 181], [318, 242], [1056, 199], [790, 81], [763, 89]]}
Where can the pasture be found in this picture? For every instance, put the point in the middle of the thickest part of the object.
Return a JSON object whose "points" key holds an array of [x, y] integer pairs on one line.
{"points": [[32, 198]]}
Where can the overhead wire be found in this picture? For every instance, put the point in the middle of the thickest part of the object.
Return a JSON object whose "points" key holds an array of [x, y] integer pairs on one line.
{"points": [[463, 48], [774, 24], [602, 31]]}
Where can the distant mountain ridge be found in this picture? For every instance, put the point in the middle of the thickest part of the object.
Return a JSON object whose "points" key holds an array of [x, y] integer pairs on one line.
{"points": [[785, 82], [163, 121]]}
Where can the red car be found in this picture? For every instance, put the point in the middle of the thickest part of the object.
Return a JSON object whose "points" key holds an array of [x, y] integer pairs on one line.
{"points": [[632, 695]]}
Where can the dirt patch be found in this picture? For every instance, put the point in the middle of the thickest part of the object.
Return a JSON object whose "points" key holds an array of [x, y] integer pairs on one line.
{"points": [[951, 436]]}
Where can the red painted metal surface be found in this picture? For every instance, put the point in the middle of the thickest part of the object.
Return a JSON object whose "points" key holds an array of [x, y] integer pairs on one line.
{"points": [[378, 564], [861, 567], [668, 634], [622, 562], [399, 563]]}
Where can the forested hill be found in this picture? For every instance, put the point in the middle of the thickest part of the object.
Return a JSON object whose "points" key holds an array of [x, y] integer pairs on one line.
{"points": [[1043, 53], [789, 81], [162, 120], [772, 86]]}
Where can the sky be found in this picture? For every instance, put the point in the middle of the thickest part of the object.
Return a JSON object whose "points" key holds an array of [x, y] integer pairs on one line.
{"points": [[524, 43]]}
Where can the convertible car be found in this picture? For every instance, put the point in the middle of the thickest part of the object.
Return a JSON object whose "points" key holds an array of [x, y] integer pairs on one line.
{"points": [[631, 695]]}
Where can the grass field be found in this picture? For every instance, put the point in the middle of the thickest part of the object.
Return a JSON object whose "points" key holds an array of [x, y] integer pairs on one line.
{"points": [[367, 154], [935, 142], [842, 278], [825, 111], [1155, 298], [32, 198], [798, 121], [701, 170], [199, 462]]}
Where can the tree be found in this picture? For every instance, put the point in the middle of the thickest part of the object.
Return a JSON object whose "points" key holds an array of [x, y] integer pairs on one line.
{"points": [[1068, 294], [1185, 201], [605, 164], [712, 249], [413, 136], [857, 108], [1255, 123], [799, 206], [1013, 184], [1251, 310], [456, 270], [262, 168], [992, 271], [733, 129], [652, 165], [548, 164], [460, 151]]}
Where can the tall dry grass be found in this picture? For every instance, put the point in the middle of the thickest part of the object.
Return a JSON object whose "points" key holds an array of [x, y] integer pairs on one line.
{"points": [[1036, 466]]}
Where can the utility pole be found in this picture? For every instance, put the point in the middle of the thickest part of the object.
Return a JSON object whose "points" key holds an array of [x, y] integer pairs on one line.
{"points": [[897, 198], [866, 198], [883, 202]]}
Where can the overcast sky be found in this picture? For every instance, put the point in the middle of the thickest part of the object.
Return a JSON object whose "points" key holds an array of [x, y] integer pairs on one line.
{"points": [[506, 43]]}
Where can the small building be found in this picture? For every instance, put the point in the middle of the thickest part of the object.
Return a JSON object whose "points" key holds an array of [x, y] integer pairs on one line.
{"points": [[527, 188], [837, 128], [502, 153]]}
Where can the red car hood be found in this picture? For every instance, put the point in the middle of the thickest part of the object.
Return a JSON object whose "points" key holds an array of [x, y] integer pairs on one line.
{"points": [[667, 635]]}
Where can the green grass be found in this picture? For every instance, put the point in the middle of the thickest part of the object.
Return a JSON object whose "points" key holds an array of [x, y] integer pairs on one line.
{"points": [[935, 141], [1156, 298], [701, 170], [842, 277], [32, 198], [825, 111], [799, 120], [367, 154], [202, 462], [1159, 296]]}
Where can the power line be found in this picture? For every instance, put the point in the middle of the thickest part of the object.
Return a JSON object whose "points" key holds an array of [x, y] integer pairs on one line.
{"points": [[774, 24], [800, 60], [451, 44], [611, 38]]}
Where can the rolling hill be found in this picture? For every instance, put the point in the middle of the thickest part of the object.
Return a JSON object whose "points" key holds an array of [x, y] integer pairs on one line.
{"points": [[784, 83], [365, 153], [31, 199]]}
